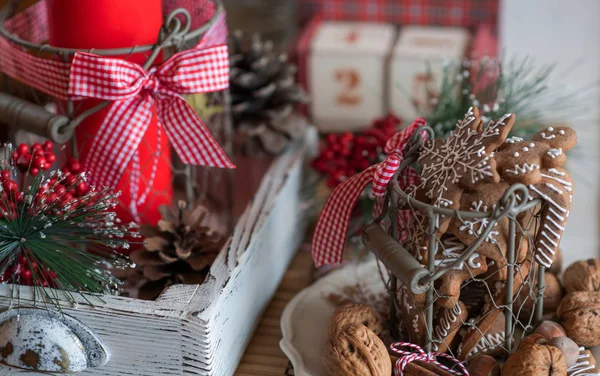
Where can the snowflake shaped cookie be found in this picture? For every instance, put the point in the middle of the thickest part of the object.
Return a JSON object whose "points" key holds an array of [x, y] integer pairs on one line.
{"points": [[463, 161]]}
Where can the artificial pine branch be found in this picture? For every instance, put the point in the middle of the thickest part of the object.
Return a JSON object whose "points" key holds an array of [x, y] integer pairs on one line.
{"points": [[537, 95], [57, 232]]}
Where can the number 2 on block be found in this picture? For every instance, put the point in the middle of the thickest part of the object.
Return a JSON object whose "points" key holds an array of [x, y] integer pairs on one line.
{"points": [[350, 82]]}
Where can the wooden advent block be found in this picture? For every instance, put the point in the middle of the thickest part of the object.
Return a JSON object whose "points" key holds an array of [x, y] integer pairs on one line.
{"points": [[418, 62], [348, 74]]}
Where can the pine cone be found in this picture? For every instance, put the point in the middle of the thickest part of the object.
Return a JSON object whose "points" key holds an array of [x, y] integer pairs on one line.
{"points": [[179, 250], [264, 96]]}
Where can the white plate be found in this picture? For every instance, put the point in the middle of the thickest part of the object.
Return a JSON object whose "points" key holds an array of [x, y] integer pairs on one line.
{"points": [[304, 320]]}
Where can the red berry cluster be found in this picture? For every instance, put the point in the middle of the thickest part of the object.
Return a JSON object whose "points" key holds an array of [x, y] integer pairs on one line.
{"points": [[35, 158], [27, 272], [345, 155]]}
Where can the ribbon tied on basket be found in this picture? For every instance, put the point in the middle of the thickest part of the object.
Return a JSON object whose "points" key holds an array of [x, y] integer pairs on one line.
{"points": [[135, 92], [406, 357], [332, 227]]}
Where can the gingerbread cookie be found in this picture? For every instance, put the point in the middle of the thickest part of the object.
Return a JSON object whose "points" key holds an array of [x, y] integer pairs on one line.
{"points": [[411, 314], [485, 199], [492, 308], [524, 161], [492, 343], [461, 162], [449, 250], [446, 325], [556, 189]]}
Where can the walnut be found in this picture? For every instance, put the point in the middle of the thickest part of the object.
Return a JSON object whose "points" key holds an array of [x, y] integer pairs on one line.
{"points": [[579, 314], [356, 350], [535, 358], [354, 314], [483, 365], [352, 346], [583, 276]]}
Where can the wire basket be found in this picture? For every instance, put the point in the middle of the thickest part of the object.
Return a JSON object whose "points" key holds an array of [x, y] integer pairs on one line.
{"points": [[41, 107], [422, 262]]}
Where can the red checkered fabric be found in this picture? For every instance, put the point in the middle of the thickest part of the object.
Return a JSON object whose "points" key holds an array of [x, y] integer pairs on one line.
{"points": [[406, 357], [51, 76], [332, 227], [466, 13], [135, 92]]}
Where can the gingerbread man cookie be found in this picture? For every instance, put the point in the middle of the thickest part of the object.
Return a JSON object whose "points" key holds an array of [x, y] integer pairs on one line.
{"points": [[461, 162], [492, 343], [524, 161]]}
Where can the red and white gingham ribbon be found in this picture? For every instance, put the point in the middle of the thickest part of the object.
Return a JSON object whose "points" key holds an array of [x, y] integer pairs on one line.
{"points": [[332, 227], [420, 355], [135, 92]]}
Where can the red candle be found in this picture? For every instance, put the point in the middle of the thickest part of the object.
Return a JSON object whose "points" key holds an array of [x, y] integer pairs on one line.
{"points": [[103, 24]]}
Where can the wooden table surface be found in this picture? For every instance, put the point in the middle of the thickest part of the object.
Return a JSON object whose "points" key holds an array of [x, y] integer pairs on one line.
{"points": [[263, 357]]}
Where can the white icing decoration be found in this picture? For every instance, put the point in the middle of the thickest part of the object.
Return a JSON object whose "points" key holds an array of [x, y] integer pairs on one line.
{"points": [[531, 145], [477, 226], [553, 224], [554, 152], [450, 317], [553, 187], [462, 155], [526, 167], [561, 131], [550, 129], [513, 139], [549, 137], [525, 148], [516, 154], [582, 365], [453, 250], [489, 342]]}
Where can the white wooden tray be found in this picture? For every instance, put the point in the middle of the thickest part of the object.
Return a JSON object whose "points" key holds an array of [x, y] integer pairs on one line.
{"points": [[203, 329]]}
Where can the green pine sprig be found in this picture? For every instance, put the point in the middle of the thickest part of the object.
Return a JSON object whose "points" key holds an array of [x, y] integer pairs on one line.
{"points": [[537, 95], [69, 243]]}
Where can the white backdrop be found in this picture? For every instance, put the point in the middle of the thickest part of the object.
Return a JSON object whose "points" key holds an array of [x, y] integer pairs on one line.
{"points": [[566, 32]]}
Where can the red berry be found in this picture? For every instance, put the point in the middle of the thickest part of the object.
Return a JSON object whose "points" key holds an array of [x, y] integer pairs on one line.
{"points": [[48, 145], [52, 274], [60, 189], [4, 174], [52, 197], [82, 189], [11, 186], [15, 155], [26, 274], [34, 171], [69, 179], [37, 147], [23, 149], [74, 166], [44, 283], [38, 162], [34, 265], [50, 158], [22, 260]]}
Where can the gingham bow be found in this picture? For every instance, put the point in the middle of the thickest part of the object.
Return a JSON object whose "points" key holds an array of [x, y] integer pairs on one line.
{"points": [[394, 149], [420, 355], [332, 227], [135, 91]]}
